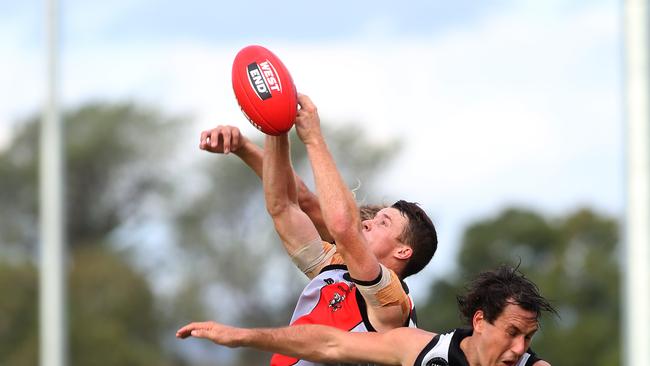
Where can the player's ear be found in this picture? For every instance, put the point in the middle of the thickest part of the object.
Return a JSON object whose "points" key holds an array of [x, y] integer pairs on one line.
{"points": [[478, 321], [403, 252]]}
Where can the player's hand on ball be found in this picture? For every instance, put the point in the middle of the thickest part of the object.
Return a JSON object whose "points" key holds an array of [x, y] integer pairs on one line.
{"points": [[222, 140], [307, 120]]}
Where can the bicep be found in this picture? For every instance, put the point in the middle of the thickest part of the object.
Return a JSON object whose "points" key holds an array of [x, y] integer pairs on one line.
{"points": [[395, 347], [308, 202], [369, 347]]}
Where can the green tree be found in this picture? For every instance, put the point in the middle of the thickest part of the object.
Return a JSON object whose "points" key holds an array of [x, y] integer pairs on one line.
{"points": [[110, 174], [18, 323], [573, 259]]}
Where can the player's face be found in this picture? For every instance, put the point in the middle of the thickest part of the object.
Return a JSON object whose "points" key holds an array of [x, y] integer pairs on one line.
{"points": [[382, 231], [504, 342]]}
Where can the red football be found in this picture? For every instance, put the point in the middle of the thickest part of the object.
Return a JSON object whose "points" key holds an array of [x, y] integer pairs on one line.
{"points": [[264, 90]]}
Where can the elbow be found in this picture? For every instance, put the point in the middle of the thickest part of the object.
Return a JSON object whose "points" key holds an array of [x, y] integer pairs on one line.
{"points": [[276, 208], [343, 226], [308, 201], [326, 356], [330, 353]]}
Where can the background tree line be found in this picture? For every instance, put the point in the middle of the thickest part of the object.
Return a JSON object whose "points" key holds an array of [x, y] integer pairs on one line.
{"points": [[157, 239]]}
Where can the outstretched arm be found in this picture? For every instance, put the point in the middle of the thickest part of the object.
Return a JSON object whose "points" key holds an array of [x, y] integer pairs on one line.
{"points": [[340, 211], [226, 139], [296, 230], [389, 306], [318, 343]]}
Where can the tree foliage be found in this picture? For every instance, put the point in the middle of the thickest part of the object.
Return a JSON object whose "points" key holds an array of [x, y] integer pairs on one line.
{"points": [[574, 261], [111, 309], [18, 306]]}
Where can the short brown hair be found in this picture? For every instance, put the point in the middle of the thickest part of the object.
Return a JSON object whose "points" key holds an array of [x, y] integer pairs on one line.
{"points": [[420, 234], [368, 212]]}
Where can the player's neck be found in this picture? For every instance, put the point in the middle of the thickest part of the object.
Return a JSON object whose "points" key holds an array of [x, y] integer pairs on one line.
{"points": [[469, 350]]}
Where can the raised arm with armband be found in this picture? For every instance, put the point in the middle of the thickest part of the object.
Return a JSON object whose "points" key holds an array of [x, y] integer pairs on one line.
{"points": [[340, 212], [298, 233], [357, 244]]}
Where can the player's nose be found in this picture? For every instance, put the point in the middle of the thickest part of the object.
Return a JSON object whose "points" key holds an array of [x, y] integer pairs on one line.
{"points": [[519, 346]]}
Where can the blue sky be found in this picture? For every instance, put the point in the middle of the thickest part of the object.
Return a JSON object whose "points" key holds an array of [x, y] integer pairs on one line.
{"points": [[149, 20], [499, 103]]}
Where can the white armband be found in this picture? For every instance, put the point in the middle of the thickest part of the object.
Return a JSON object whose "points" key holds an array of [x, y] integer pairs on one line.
{"points": [[312, 255], [380, 293]]}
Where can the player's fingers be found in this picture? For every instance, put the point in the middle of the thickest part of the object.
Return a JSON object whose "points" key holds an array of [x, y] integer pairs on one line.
{"points": [[235, 139], [305, 103], [225, 133], [185, 331], [200, 333], [203, 142], [214, 137]]}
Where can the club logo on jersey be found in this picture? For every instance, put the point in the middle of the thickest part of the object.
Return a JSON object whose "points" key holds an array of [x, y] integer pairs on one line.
{"points": [[437, 361], [264, 79], [335, 303]]}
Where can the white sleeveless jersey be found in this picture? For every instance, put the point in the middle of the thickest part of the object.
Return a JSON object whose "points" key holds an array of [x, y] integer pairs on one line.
{"points": [[444, 350], [331, 298]]}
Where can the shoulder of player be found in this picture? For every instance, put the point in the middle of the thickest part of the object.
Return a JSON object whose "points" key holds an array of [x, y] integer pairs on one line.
{"points": [[409, 342], [407, 335]]}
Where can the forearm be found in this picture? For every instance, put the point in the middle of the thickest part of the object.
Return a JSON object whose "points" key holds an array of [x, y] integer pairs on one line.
{"points": [[297, 341], [337, 204], [314, 343], [253, 156], [309, 204], [340, 213], [279, 184], [291, 223]]}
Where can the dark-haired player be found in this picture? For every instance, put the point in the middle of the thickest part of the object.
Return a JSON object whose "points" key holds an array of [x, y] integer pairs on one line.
{"points": [[502, 308]]}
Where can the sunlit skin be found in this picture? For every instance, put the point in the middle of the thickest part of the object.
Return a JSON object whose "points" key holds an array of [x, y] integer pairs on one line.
{"points": [[382, 233], [504, 341]]}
